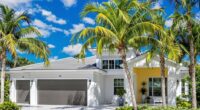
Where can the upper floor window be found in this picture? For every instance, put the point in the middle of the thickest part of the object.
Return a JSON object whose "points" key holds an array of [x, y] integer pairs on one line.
{"points": [[118, 64], [105, 64], [111, 64]]}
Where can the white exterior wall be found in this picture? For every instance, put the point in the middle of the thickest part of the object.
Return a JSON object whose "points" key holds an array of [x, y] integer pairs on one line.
{"points": [[95, 84], [109, 88]]}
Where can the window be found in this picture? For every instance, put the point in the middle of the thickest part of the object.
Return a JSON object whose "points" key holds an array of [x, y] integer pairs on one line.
{"points": [[111, 64], [105, 64], [155, 86], [118, 84], [118, 64], [183, 86]]}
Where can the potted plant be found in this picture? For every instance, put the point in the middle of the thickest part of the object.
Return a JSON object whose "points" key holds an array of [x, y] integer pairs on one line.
{"points": [[148, 99], [120, 94], [143, 91]]}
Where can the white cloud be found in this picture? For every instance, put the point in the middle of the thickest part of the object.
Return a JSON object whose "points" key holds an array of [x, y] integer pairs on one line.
{"points": [[168, 23], [77, 28], [158, 4], [51, 46], [89, 20], [45, 29], [44, 33], [66, 32], [15, 3], [51, 17], [20, 52], [39, 23], [53, 58], [72, 49], [69, 3], [197, 16]]}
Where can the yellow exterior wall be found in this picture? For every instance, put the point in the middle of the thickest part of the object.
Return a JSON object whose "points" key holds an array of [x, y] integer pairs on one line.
{"points": [[143, 75]]}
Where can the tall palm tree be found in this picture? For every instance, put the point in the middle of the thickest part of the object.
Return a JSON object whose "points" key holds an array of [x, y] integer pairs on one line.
{"points": [[184, 15], [14, 36], [117, 22], [161, 44]]}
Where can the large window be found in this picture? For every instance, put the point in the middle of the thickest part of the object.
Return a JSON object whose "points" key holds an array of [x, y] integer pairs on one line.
{"points": [[111, 64], [118, 84], [155, 87]]}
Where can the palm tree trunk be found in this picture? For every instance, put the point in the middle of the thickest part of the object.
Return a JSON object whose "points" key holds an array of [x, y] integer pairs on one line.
{"points": [[3, 69], [15, 62], [128, 75], [192, 74], [162, 68]]}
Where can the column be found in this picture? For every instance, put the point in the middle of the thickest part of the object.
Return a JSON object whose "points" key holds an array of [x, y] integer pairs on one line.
{"points": [[13, 90], [33, 92]]}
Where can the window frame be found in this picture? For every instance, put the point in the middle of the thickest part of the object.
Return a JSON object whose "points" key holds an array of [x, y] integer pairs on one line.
{"points": [[183, 84], [152, 88], [115, 87], [110, 66]]}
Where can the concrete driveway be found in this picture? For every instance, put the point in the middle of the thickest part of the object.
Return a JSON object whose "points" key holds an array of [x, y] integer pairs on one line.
{"points": [[67, 107]]}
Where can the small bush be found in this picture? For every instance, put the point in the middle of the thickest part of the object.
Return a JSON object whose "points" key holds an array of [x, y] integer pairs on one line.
{"points": [[183, 103], [9, 106]]}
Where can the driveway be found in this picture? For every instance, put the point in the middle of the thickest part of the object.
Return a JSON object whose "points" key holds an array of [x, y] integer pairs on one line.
{"points": [[67, 107]]}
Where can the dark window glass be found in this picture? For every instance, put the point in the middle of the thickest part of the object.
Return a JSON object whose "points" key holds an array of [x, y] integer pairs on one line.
{"points": [[118, 84], [105, 64], [183, 86], [155, 87], [111, 64], [118, 64]]}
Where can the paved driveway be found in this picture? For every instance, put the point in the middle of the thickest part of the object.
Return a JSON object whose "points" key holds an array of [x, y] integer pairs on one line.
{"points": [[67, 107]]}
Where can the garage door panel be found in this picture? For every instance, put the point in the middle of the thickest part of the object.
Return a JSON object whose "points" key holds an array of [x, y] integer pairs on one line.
{"points": [[23, 91], [62, 92]]}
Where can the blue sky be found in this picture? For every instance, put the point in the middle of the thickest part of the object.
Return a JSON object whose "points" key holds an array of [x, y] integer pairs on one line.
{"points": [[57, 20]]}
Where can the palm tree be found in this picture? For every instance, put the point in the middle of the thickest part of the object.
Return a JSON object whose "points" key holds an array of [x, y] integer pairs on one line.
{"points": [[161, 44], [19, 61], [184, 16], [117, 22], [14, 36]]}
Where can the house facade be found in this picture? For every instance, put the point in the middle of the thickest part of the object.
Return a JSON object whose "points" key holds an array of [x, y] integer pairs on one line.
{"points": [[95, 80]]}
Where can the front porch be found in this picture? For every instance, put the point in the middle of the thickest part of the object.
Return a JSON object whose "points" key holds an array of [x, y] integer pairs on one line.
{"points": [[148, 84]]}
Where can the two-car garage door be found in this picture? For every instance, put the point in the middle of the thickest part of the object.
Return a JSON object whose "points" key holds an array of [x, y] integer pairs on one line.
{"points": [[62, 92]]}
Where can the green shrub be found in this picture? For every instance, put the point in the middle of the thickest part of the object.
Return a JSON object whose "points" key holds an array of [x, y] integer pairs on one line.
{"points": [[7, 90], [152, 108], [183, 103], [9, 106]]}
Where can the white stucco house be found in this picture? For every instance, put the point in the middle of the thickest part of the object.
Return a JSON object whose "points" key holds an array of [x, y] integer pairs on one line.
{"points": [[94, 81]]}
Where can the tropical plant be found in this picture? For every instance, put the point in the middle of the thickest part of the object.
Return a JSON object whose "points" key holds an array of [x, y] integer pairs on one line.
{"points": [[19, 61], [7, 105], [14, 36], [117, 22], [121, 92], [186, 26]]}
